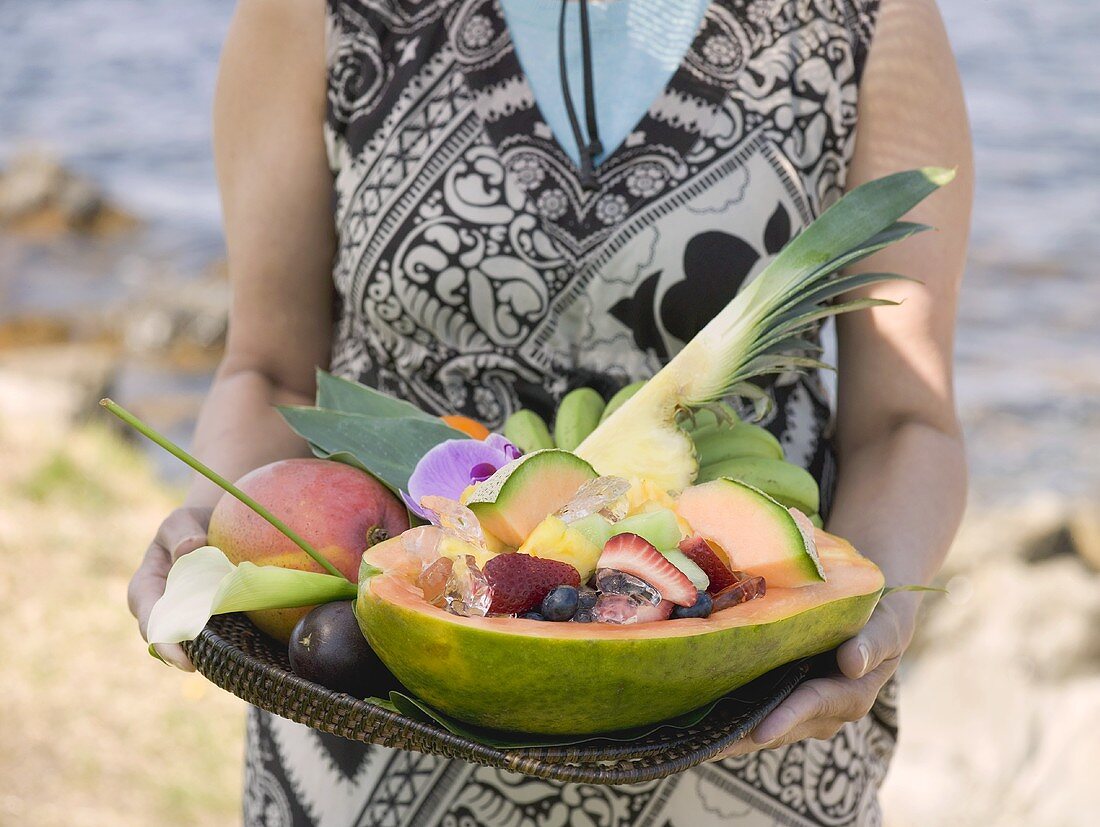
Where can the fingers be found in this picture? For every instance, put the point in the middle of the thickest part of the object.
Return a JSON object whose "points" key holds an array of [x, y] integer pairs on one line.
{"points": [[886, 636], [182, 531], [819, 707]]}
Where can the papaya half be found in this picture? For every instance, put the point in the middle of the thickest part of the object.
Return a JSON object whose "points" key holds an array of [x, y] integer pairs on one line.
{"points": [[537, 677]]}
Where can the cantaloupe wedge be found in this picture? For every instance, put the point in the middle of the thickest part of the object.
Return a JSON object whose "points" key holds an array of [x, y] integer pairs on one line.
{"points": [[521, 494], [760, 535]]}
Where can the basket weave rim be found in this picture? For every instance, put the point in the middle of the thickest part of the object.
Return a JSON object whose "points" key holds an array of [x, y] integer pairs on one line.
{"points": [[235, 656]]}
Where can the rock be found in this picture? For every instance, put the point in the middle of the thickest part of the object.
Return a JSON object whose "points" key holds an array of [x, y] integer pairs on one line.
{"points": [[79, 201], [1084, 532], [1001, 683], [54, 385], [31, 330], [30, 183], [40, 198], [188, 320]]}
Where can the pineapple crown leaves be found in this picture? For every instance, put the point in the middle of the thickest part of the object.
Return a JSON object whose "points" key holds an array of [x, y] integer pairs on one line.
{"points": [[762, 330]]}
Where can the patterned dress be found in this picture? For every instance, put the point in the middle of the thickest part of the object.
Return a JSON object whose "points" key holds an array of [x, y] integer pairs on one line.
{"points": [[475, 274]]}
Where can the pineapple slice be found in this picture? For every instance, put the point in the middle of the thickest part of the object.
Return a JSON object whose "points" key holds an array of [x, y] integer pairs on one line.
{"points": [[761, 331], [554, 539]]}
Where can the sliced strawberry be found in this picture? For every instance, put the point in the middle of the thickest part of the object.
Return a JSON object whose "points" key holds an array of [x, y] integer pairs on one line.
{"points": [[700, 552], [632, 554], [519, 582], [648, 612]]}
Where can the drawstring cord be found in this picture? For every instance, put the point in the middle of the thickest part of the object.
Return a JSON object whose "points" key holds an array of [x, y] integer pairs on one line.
{"points": [[592, 148]]}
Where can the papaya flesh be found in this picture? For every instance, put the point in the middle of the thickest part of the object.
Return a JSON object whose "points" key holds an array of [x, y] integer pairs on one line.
{"points": [[538, 677]]}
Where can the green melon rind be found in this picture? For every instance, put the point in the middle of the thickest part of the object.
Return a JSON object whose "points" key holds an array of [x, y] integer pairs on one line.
{"points": [[807, 561], [555, 686], [488, 492]]}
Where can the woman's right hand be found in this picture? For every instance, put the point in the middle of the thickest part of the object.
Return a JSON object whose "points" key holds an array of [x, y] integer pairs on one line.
{"points": [[182, 531]]}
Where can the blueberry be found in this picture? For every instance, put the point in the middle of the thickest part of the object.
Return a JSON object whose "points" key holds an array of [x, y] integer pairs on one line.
{"points": [[560, 603], [702, 608], [533, 616], [584, 616]]}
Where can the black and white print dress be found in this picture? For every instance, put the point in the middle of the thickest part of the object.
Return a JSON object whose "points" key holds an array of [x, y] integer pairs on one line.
{"points": [[475, 274]]}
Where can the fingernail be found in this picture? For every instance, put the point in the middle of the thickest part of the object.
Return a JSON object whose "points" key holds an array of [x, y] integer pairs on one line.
{"points": [[864, 658]]}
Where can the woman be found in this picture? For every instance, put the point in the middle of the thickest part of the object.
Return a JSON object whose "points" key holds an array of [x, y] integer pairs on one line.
{"points": [[494, 242]]}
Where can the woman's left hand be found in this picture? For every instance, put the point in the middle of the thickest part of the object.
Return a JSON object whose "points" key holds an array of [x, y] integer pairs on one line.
{"points": [[819, 707]]}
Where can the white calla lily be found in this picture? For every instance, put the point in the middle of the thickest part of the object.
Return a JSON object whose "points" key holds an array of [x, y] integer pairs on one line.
{"points": [[205, 583]]}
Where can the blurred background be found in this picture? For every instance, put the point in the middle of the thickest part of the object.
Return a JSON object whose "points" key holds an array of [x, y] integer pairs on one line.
{"points": [[112, 279]]}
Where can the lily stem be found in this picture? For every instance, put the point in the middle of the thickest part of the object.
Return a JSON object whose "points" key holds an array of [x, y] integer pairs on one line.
{"points": [[219, 481]]}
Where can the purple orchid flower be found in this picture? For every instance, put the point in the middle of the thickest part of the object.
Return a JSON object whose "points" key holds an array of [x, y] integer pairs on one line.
{"points": [[452, 466]]}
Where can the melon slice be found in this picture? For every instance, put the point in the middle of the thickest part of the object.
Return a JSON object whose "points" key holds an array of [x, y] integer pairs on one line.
{"points": [[571, 678], [760, 535], [595, 528], [660, 528], [689, 567], [521, 494]]}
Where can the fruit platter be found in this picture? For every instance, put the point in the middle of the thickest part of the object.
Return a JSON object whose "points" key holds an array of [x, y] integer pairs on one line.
{"points": [[612, 595]]}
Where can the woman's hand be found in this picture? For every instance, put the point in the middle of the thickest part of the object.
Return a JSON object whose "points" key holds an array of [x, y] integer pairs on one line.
{"points": [[821, 706], [183, 531]]}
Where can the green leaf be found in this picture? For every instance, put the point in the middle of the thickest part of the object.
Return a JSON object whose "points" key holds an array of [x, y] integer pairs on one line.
{"points": [[855, 219], [205, 583], [415, 708], [345, 396], [833, 288], [889, 590], [387, 447], [762, 402]]}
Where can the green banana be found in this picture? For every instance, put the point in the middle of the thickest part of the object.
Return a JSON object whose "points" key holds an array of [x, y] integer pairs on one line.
{"points": [[527, 431], [577, 417], [745, 440], [620, 397], [791, 485]]}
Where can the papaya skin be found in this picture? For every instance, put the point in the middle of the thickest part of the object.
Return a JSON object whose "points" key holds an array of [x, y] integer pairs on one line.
{"points": [[337, 509], [559, 678]]}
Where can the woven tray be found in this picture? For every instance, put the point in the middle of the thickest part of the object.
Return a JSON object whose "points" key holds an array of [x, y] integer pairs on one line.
{"points": [[233, 654]]}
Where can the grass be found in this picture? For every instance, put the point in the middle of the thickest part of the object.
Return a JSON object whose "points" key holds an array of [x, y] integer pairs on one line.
{"points": [[96, 732]]}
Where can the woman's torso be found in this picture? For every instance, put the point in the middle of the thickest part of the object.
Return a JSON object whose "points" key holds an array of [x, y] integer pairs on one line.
{"points": [[475, 274]]}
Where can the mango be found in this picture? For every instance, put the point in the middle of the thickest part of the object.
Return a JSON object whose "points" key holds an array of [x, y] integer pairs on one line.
{"points": [[337, 509]]}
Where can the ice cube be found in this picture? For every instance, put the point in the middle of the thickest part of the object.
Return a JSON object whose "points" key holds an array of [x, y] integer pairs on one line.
{"points": [[468, 592], [744, 590], [586, 599], [422, 543], [616, 608], [612, 581], [455, 519], [603, 495], [433, 581]]}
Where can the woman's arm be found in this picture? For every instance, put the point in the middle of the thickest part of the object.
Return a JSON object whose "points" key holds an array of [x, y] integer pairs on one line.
{"points": [[276, 190], [902, 473]]}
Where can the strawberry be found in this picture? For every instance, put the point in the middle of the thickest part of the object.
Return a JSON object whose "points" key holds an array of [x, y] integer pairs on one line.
{"points": [[701, 554], [519, 582], [632, 554], [661, 611]]}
